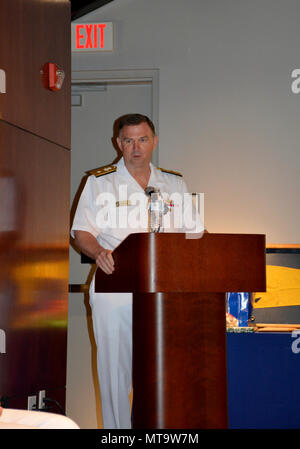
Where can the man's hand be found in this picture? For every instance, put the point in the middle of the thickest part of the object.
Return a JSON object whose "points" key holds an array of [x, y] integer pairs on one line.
{"points": [[89, 245], [105, 261]]}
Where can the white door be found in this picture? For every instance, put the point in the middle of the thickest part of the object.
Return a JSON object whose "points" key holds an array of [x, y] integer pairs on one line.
{"points": [[92, 133]]}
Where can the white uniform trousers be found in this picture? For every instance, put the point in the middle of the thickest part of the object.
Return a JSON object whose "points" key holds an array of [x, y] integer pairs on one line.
{"points": [[112, 324]]}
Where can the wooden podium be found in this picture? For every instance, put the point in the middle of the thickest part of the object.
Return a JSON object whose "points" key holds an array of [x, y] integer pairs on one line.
{"points": [[179, 287]]}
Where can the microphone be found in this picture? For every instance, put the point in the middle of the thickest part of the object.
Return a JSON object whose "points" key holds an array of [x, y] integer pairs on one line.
{"points": [[149, 190], [157, 208]]}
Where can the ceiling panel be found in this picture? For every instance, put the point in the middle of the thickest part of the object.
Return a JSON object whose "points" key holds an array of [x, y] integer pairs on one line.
{"points": [[81, 7]]}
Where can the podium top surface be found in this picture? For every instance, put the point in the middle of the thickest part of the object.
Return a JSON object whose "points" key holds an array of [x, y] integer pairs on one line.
{"points": [[178, 262]]}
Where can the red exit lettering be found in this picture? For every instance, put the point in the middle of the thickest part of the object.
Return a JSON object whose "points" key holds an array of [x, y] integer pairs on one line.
{"points": [[90, 35]]}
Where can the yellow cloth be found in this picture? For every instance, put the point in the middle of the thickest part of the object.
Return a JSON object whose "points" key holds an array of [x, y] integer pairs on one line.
{"points": [[283, 288]]}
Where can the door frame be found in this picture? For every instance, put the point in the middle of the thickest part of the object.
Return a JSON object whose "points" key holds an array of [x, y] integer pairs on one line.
{"points": [[126, 77]]}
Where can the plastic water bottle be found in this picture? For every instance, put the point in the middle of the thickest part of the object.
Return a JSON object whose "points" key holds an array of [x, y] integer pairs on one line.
{"points": [[157, 209]]}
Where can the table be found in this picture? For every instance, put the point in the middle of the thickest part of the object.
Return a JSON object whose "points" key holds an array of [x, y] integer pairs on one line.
{"points": [[263, 380]]}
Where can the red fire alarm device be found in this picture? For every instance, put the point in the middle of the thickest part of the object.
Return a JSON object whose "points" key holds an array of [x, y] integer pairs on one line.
{"points": [[53, 76]]}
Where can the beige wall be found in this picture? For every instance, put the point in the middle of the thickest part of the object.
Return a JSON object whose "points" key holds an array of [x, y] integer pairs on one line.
{"points": [[227, 116]]}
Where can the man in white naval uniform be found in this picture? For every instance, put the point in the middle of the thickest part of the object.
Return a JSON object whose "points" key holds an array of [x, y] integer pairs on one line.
{"points": [[112, 206]]}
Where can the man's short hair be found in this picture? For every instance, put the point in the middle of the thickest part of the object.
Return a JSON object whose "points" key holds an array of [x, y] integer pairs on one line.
{"points": [[135, 119]]}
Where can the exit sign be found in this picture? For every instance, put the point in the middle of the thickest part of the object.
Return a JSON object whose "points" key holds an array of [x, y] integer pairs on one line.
{"points": [[92, 36]]}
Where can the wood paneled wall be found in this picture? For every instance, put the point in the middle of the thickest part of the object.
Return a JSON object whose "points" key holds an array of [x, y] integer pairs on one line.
{"points": [[34, 200], [34, 32]]}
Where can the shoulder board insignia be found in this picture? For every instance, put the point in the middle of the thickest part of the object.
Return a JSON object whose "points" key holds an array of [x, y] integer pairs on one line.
{"points": [[171, 172], [103, 171]]}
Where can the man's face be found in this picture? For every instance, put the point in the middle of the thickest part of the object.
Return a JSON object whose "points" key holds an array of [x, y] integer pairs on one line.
{"points": [[137, 143]]}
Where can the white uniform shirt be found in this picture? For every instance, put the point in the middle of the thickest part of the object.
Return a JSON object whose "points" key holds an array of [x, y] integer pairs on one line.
{"points": [[109, 208], [114, 205]]}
